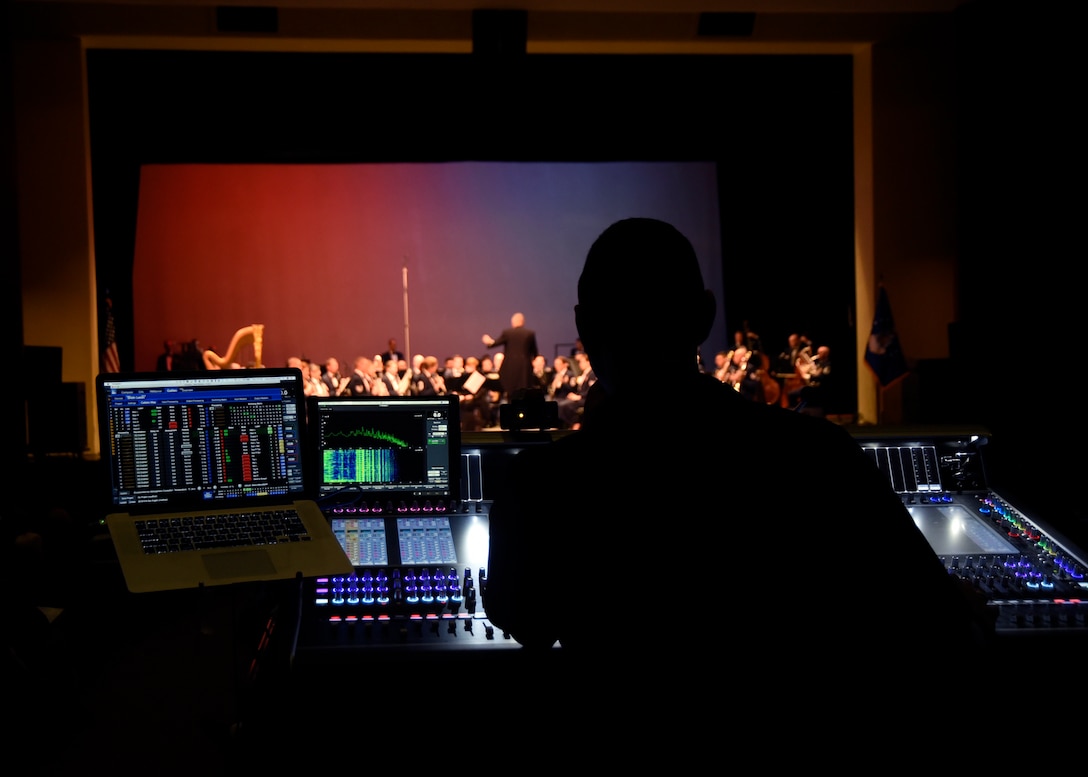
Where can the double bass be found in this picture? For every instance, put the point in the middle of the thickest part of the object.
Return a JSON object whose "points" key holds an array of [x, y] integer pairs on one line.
{"points": [[771, 389]]}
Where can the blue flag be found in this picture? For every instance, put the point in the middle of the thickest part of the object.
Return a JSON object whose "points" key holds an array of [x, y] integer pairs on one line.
{"points": [[883, 353]]}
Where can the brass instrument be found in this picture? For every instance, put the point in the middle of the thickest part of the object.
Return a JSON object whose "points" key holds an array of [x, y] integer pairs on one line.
{"points": [[247, 335], [805, 364], [741, 370]]}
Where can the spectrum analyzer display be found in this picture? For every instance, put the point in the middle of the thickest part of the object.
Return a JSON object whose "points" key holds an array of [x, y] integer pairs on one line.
{"points": [[403, 446]]}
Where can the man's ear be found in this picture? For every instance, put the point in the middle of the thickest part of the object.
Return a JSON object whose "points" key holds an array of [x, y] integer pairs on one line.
{"points": [[584, 326]]}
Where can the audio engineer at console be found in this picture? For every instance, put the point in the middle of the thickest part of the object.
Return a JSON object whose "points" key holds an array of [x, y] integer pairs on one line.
{"points": [[692, 544]]}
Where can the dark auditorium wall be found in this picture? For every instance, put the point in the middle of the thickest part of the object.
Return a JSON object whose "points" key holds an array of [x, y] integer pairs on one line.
{"points": [[1004, 298]]}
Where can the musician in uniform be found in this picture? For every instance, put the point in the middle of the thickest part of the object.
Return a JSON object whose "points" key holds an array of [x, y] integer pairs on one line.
{"points": [[744, 380], [816, 374]]}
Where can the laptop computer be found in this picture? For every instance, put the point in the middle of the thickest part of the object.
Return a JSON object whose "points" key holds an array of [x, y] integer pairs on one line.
{"points": [[191, 458]]}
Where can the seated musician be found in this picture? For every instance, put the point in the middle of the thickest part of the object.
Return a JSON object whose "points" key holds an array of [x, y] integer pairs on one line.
{"points": [[797, 347], [745, 381], [816, 374]]}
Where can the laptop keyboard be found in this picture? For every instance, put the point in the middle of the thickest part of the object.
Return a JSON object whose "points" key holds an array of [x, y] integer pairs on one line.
{"points": [[264, 527]]}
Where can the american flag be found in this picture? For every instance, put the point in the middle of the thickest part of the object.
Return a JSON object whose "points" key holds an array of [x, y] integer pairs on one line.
{"points": [[111, 361]]}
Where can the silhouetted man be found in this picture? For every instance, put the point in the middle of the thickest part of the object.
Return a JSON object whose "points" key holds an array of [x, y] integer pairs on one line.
{"points": [[690, 558]]}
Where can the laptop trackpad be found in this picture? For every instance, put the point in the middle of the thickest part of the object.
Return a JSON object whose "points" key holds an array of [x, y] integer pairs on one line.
{"points": [[243, 563]]}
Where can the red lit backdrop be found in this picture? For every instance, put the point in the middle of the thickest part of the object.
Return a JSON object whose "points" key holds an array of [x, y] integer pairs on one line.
{"points": [[317, 253]]}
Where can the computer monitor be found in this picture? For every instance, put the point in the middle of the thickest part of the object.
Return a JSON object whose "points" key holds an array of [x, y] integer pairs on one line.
{"points": [[378, 453]]}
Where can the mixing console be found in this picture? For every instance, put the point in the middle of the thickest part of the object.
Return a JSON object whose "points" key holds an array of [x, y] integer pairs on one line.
{"points": [[434, 604], [1033, 579], [421, 570]]}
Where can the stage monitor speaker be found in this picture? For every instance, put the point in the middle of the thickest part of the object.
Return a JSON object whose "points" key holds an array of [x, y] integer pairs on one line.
{"points": [[499, 32]]}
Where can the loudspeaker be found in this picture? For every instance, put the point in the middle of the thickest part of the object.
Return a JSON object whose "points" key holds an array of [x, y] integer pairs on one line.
{"points": [[56, 419], [499, 32]]}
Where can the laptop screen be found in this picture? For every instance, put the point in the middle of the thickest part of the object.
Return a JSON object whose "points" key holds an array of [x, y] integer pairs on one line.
{"points": [[386, 449], [195, 439]]}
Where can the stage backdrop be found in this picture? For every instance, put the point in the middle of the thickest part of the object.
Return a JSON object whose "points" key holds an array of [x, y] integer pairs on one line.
{"points": [[335, 259]]}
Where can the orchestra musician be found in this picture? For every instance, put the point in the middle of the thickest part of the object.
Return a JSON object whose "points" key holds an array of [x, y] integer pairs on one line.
{"points": [[814, 373], [788, 371], [747, 371], [738, 376], [722, 361]]}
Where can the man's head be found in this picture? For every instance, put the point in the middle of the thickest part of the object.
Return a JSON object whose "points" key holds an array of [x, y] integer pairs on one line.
{"points": [[641, 292], [517, 320]]}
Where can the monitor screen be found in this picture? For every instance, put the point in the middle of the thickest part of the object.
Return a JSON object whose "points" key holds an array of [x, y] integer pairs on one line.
{"points": [[185, 439], [953, 531], [379, 450]]}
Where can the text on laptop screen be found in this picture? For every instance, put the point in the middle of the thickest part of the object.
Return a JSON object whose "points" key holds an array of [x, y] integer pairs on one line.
{"points": [[199, 438], [387, 446]]}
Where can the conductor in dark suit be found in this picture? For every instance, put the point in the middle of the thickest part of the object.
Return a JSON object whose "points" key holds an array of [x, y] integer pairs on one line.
{"points": [[519, 350]]}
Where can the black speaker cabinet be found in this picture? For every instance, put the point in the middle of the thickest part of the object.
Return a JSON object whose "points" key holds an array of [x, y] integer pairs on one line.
{"points": [[56, 419]]}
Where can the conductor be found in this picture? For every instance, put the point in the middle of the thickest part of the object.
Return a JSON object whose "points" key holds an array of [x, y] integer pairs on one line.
{"points": [[519, 350]]}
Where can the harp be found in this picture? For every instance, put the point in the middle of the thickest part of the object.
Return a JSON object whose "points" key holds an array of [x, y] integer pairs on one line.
{"points": [[247, 335]]}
